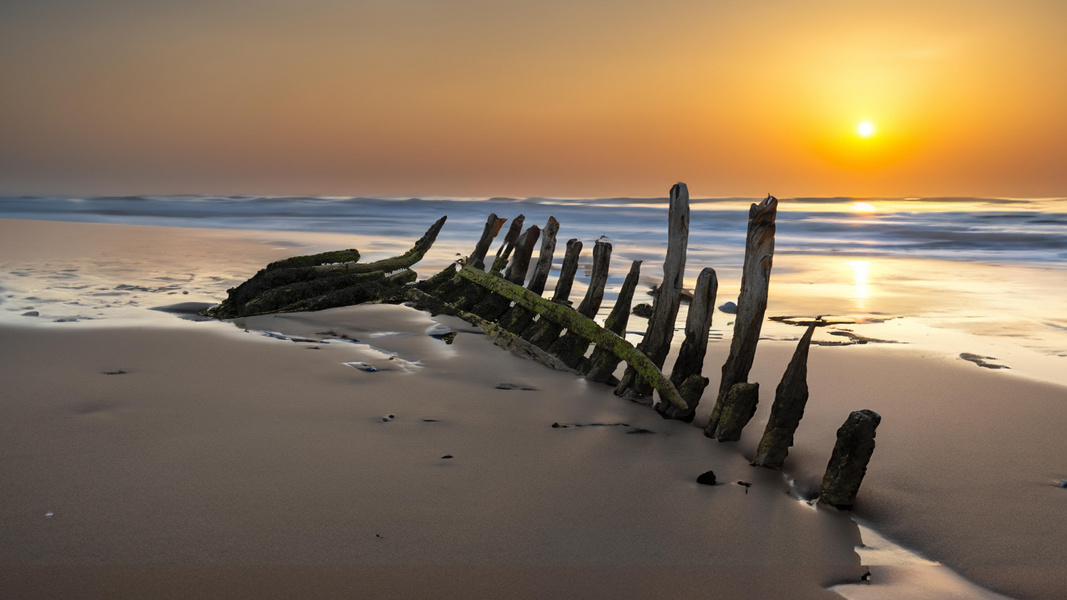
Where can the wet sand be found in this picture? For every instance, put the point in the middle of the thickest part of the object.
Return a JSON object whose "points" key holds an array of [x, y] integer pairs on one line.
{"points": [[175, 458]]}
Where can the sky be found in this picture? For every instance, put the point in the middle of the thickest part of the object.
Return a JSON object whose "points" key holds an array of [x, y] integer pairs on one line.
{"points": [[562, 98]]}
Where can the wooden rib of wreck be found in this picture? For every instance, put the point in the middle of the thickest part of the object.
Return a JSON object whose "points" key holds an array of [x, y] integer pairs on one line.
{"points": [[558, 335]]}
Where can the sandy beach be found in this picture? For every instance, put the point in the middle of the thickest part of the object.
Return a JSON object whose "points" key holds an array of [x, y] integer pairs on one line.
{"points": [[150, 456]]}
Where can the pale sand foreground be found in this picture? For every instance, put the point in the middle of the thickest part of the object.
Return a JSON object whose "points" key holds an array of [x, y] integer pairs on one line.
{"points": [[243, 465]]}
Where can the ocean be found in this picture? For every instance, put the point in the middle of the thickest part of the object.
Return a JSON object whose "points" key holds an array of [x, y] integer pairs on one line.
{"points": [[977, 276]]}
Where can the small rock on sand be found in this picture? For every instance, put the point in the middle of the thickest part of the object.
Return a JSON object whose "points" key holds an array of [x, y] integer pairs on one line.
{"points": [[31, 313], [729, 308], [706, 478], [643, 310]]}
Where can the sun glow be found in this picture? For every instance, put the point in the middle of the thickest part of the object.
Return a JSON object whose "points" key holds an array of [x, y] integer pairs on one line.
{"points": [[864, 207], [865, 129]]}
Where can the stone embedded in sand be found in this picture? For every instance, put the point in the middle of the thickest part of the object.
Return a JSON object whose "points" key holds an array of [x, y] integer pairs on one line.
{"points": [[31, 313], [729, 308], [706, 478], [848, 463]]}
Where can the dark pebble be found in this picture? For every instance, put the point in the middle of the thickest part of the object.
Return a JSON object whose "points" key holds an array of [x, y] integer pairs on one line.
{"points": [[447, 456], [429, 420], [744, 483], [31, 313], [1062, 484], [114, 372], [392, 416], [639, 431], [706, 478]]}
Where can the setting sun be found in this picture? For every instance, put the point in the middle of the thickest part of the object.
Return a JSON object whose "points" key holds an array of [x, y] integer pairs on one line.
{"points": [[865, 129]]}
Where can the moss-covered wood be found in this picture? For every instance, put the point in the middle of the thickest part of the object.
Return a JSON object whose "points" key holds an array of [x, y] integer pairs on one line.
{"points": [[602, 364], [285, 287], [543, 332], [493, 306], [517, 318], [571, 347], [582, 326], [689, 366]]}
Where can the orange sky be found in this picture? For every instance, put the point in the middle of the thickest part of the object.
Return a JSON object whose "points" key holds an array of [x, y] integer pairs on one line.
{"points": [[547, 98]]}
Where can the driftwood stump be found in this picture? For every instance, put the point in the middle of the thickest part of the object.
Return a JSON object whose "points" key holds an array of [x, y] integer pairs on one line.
{"points": [[788, 408], [734, 412], [660, 331], [752, 301], [848, 463], [688, 367]]}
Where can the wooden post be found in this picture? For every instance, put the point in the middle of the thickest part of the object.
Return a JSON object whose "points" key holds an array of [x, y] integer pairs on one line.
{"points": [[848, 463], [571, 347], [543, 332], [602, 364], [751, 303], [517, 318], [735, 412], [657, 340], [788, 408], [494, 305], [688, 368]]}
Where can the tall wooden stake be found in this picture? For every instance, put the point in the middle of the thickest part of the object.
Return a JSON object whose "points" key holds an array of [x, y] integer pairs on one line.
{"points": [[657, 340]]}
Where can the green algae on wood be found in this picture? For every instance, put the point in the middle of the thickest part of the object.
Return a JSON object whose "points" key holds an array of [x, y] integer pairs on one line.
{"points": [[582, 326]]}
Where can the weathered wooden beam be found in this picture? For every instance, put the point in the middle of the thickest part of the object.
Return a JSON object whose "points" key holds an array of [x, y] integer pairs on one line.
{"points": [[687, 374], [581, 325], [543, 332], [788, 408], [752, 301], [501, 337], [571, 347], [848, 463], [493, 305], [735, 411], [602, 364], [333, 276], [657, 340], [517, 318], [374, 291], [313, 260]]}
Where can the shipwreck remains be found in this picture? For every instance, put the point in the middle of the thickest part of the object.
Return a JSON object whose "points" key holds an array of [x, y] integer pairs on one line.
{"points": [[489, 292]]}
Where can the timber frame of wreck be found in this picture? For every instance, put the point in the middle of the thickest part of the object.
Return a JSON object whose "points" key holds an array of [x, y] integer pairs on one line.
{"points": [[491, 296]]}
